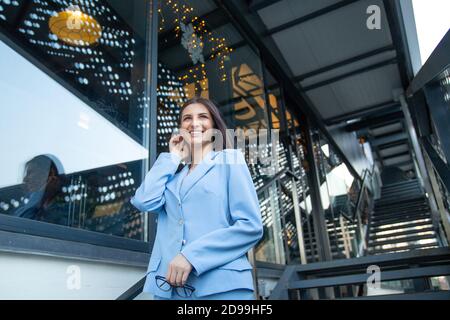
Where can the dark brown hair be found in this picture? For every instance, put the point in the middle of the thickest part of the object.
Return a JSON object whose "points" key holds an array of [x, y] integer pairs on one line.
{"points": [[218, 122]]}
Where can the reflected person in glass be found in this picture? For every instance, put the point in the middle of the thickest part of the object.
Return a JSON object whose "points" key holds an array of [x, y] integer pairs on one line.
{"points": [[42, 186]]}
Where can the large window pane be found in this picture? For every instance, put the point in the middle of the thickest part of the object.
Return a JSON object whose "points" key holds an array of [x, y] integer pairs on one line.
{"points": [[202, 54], [339, 191], [74, 117]]}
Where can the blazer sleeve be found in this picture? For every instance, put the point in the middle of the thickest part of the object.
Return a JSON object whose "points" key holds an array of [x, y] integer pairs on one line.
{"points": [[227, 244], [150, 194]]}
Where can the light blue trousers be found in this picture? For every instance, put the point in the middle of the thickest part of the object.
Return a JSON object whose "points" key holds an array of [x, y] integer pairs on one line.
{"points": [[238, 294]]}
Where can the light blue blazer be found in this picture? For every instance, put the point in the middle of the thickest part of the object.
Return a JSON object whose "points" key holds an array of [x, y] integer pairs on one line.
{"points": [[211, 216]]}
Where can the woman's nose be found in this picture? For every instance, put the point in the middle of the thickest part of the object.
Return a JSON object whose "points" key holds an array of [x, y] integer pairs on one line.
{"points": [[196, 124]]}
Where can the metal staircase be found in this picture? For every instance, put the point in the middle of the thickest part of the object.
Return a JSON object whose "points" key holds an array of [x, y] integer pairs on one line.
{"points": [[401, 241], [401, 220]]}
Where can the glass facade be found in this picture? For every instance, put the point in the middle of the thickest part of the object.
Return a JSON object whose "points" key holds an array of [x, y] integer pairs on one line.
{"points": [[74, 112], [339, 191], [77, 106]]}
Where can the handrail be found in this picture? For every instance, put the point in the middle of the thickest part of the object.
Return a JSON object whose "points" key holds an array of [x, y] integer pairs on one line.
{"points": [[442, 169], [427, 262], [357, 214], [133, 291], [272, 180], [367, 173]]}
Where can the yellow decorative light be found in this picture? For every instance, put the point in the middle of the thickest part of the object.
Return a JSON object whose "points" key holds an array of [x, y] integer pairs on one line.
{"points": [[75, 28]]}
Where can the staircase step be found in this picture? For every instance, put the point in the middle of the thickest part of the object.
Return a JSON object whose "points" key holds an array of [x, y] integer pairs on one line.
{"points": [[388, 216], [405, 218], [424, 295], [401, 209], [401, 189], [411, 200], [400, 233], [397, 202], [400, 185], [403, 226], [331, 235], [405, 248], [402, 240]]}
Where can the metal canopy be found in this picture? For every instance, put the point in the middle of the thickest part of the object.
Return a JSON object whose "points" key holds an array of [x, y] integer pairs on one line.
{"points": [[348, 71]]}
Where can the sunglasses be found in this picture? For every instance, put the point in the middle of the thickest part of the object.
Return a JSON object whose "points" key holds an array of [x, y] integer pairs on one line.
{"points": [[182, 291]]}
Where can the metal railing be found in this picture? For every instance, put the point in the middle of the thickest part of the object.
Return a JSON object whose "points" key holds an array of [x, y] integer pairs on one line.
{"points": [[310, 281], [429, 94]]}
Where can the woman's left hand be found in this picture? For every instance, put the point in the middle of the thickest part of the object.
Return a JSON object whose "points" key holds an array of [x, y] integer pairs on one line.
{"points": [[178, 272]]}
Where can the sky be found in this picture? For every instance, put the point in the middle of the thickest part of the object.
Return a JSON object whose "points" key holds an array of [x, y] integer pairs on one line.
{"points": [[432, 23]]}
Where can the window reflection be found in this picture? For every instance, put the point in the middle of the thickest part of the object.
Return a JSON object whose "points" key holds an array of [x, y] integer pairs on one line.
{"points": [[73, 79], [339, 192]]}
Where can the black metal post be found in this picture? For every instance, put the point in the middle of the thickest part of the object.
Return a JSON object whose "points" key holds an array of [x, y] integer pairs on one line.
{"points": [[151, 76], [320, 226]]}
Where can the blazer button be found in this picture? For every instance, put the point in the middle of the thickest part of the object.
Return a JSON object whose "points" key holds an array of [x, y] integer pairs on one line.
{"points": [[180, 222], [183, 242]]}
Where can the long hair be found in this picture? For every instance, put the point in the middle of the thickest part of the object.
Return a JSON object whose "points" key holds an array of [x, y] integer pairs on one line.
{"points": [[218, 122]]}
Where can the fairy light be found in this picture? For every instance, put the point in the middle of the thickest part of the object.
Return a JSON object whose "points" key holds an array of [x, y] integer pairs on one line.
{"points": [[220, 51]]}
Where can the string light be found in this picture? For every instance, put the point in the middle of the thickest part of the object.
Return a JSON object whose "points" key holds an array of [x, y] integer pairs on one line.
{"points": [[220, 51]]}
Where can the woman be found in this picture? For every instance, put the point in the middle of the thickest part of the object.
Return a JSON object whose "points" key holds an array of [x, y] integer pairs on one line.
{"points": [[208, 213]]}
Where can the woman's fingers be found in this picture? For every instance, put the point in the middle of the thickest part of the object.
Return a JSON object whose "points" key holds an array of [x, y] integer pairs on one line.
{"points": [[184, 278], [169, 274], [173, 278], [179, 279]]}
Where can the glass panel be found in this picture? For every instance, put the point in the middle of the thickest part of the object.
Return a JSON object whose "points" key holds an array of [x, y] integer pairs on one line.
{"points": [[202, 54], [339, 193], [438, 99], [440, 87], [72, 89]]}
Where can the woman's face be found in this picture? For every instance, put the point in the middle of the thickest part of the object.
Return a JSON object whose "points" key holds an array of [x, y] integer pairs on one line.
{"points": [[195, 121]]}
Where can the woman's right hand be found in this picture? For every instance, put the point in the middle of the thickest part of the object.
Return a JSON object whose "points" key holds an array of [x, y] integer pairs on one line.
{"points": [[178, 146]]}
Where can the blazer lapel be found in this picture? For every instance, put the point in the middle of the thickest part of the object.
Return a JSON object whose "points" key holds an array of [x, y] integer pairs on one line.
{"points": [[191, 179], [175, 184]]}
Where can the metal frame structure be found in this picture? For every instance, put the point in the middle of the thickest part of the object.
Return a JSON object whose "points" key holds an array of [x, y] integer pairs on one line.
{"points": [[405, 265]]}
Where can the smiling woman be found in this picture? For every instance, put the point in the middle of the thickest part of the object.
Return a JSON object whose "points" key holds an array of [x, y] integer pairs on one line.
{"points": [[202, 239]]}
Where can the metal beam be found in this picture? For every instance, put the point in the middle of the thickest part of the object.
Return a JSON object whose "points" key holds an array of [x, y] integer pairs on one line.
{"points": [[365, 112], [435, 64], [398, 35], [151, 74], [406, 273], [256, 5], [372, 121], [310, 16], [318, 214], [351, 73], [344, 62]]}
